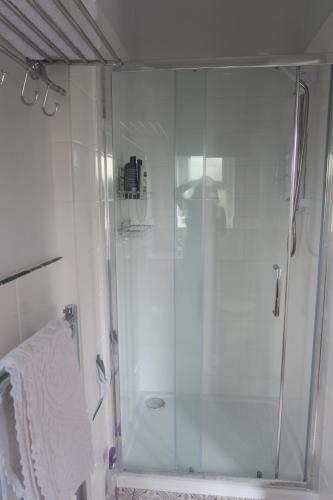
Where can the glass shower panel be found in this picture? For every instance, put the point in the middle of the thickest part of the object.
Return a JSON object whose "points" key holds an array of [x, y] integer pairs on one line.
{"points": [[199, 346], [189, 240], [233, 151], [143, 107]]}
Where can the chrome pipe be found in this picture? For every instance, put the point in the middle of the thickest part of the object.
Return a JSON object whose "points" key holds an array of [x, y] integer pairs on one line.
{"points": [[303, 118], [294, 166], [128, 67], [48, 19], [24, 37], [278, 272], [28, 270], [15, 10], [229, 62], [78, 29], [83, 9]]}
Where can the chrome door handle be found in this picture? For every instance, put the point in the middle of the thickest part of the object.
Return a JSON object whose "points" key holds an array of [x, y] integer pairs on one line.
{"points": [[276, 310]]}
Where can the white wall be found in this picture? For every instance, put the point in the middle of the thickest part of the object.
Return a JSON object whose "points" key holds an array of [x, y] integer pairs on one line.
{"points": [[26, 191], [27, 212], [52, 204], [80, 204]]}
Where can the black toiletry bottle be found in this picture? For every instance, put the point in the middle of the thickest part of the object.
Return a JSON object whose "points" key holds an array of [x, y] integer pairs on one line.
{"points": [[130, 178], [138, 171]]}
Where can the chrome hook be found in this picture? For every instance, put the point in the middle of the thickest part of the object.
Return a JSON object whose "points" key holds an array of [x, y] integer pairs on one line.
{"points": [[37, 92], [3, 75], [57, 105]]}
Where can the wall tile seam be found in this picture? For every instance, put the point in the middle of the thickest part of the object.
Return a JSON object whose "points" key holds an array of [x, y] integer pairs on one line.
{"points": [[89, 95], [56, 141], [76, 142]]}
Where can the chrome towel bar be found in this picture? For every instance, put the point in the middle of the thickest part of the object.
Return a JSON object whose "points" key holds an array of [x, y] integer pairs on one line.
{"points": [[12, 277]]}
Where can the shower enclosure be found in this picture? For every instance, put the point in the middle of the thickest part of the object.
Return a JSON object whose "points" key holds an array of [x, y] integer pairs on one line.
{"points": [[216, 312]]}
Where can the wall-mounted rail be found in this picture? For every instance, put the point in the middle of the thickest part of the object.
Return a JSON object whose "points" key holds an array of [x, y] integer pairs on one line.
{"points": [[28, 270], [70, 315]]}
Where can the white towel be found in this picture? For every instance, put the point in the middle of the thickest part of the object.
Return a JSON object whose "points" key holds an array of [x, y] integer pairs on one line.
{"points": [[45, 434]]}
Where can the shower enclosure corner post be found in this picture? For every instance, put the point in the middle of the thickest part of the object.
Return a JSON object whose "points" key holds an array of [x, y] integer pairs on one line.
{"points": [[294, 163], [315, 409], [106, 73]]}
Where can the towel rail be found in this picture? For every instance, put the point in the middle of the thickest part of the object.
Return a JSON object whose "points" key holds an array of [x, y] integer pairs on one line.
{"points": [[78, 31], [16, 11], [4, 20], [70, 315], [28, 270]]}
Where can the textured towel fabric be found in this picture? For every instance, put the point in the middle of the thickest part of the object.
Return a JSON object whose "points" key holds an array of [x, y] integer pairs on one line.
{"points": [[45, 435]]}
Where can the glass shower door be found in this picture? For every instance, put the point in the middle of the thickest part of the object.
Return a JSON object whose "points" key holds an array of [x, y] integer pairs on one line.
{"points": [[233, 154]]}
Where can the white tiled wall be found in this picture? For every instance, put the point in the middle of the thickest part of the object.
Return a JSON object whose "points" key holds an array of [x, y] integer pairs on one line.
{"points": [[78, 171], [28, 217], [78, 163], [52, 205], [26, 305], [87, 147], [26, 190]]}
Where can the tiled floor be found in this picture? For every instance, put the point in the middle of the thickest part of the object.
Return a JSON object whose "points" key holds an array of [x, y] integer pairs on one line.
{"points": [[134, 494]]}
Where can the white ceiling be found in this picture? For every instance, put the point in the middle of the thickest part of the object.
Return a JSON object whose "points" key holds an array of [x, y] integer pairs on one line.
{"points": [[197, 29], [316, 12]]}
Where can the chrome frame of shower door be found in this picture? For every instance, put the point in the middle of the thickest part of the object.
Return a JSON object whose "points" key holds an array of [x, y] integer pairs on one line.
{"points": [[327, 203], [294, 162], [315, 409]]}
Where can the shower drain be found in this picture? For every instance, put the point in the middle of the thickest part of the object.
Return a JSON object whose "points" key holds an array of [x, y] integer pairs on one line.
{"points": [[155, 403]]}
